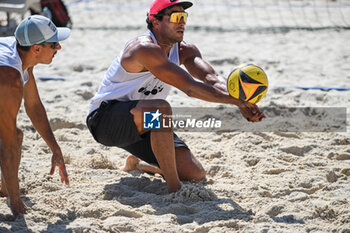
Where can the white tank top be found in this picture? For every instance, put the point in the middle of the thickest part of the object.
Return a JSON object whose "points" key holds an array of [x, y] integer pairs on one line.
{"points": [[118, 84], [10, 57]]}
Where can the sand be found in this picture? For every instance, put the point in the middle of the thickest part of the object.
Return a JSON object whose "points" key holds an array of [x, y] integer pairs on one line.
{"points": [[257, 181]]}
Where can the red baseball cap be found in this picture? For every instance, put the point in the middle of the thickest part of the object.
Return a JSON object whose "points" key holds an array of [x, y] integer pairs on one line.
{"points": [[158, 5]]}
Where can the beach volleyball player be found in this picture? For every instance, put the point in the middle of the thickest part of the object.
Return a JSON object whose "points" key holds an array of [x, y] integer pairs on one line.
{"points": [[36, 41], [140, 78]]}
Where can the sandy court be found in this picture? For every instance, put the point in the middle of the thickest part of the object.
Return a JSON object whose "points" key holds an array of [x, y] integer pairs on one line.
{"points": [[262, 181]]}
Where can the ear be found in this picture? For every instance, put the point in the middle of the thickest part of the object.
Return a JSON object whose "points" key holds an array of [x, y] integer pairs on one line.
{"points": [[155, 21], [36, 48]]}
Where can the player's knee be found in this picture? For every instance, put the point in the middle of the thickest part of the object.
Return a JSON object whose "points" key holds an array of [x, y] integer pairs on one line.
{"points": [[152, 105], [164, 107], [196, 174], [199, 174]]}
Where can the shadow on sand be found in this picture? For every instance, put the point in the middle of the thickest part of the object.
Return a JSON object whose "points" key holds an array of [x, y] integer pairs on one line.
{"points": [[193, 203]]}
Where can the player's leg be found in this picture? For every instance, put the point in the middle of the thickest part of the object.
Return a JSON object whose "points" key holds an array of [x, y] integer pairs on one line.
{"points": [[162, 141], [188, 166], [118, 123], [11, 92], [3, 190], [133, 163]]}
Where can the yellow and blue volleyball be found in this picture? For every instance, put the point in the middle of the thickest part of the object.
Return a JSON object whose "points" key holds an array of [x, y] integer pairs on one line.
{"points": [[247, 82]]}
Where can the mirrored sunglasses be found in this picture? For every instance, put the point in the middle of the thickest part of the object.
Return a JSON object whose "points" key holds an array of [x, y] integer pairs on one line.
{"points": [[175, 17]]}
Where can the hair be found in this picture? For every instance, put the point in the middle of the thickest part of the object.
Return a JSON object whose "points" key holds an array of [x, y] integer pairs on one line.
{"points": [[149, 22], [23, 48]]}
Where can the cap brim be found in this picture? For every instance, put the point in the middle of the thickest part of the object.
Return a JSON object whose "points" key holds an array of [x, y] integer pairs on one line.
{"points": [[185, 5], [62, 34]]}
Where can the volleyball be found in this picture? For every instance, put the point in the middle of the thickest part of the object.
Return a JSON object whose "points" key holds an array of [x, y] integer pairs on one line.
{"points": [[247, 82]]}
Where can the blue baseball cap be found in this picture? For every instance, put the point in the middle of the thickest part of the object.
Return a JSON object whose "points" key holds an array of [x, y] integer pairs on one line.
{"points": [[37, 29]]}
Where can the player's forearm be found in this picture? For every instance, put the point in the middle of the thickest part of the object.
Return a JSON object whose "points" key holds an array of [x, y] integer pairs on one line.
{"points": [[210, 93]]}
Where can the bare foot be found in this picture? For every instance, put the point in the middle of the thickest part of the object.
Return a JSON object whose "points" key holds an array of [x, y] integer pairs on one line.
{"points": [[131, 163]]}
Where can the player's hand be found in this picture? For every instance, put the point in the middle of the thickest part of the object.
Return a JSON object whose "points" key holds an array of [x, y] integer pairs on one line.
{"points": [[57, 160], [250, 111]]}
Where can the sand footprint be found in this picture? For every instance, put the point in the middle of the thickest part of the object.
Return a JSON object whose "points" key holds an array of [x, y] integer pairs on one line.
{"points": [[341, 142], [85, 94], [336, 156], [276, 171], [57, 123], [298, 151], [214, 170], [286, 135], [252, 161], [324, 212]]}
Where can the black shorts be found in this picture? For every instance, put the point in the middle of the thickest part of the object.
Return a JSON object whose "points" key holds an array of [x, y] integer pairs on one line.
{"points": [[112, 124]]}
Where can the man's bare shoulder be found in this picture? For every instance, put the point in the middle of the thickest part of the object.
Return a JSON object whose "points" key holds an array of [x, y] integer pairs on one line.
{"points": [[10, 76], [8, 71], [143, 42], [142, 48], [139, 52]]}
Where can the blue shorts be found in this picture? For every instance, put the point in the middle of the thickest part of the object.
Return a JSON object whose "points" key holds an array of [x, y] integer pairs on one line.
{"points": [[112, 124]]}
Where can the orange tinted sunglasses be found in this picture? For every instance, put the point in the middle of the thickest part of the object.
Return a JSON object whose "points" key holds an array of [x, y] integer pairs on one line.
{"points": [[175, 17]]}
